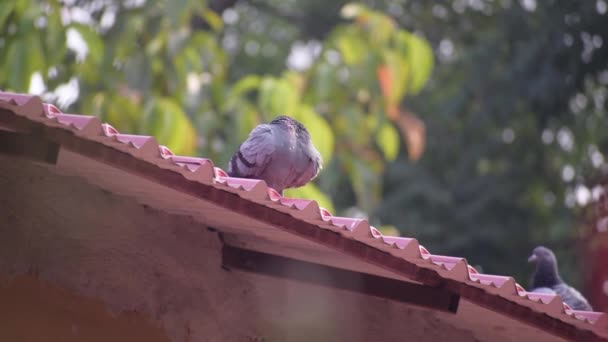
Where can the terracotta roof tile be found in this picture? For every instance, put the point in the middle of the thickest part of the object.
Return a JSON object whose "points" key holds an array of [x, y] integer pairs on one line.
{"points": [[486, 290]]}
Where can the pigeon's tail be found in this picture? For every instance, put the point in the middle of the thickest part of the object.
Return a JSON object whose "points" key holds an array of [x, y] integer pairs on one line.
{"points": [[232, 168], [573, 297]]}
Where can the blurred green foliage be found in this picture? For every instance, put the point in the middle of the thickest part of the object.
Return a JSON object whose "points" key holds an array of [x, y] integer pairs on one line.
{"points": [[499, 105], [149, 72]]}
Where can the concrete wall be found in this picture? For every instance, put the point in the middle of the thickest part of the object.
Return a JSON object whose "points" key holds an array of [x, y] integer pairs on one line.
{"points": [[79, 263]]}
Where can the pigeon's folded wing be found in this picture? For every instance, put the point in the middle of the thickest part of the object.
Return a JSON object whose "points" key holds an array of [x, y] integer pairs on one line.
{"points": [[572, 297], [254, 154], [308, 174]]}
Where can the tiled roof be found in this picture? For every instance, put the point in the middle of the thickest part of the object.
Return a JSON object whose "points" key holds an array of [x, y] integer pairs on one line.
{"points": [[199, 177]]}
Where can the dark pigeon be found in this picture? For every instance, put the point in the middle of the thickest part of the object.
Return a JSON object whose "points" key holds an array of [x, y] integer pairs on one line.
{"points": [[546, 279], [281, 153]]}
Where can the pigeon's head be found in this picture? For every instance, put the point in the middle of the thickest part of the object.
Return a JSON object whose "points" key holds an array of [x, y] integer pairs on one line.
{"points": [[290, 123], [541, 255], [546, 274]]}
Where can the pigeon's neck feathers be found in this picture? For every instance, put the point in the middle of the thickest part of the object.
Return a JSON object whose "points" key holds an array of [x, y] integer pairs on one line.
{"points": [[546, 274]]}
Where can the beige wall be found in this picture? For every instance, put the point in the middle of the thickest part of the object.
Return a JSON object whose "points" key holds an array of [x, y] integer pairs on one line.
{"points": [[100, 257], [32, 311]]}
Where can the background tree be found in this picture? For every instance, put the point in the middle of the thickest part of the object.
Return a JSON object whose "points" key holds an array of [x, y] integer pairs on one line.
{"points": [[505, 145]]}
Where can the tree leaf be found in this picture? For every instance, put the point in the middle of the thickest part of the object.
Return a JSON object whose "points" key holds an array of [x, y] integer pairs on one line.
{"points": [[385, 80], [5, 10], [265, 94], [54, 36], [120, 111], [244, 85], [388, 141], [36, 61], [419, 55], [236, 94], [312, 192], [320, 131], [178, 11], [366, 183], [16, 65], [94, 43], [297, 81], [247, 120], [381, 28], [413, 130], [284, 98], [389, 230], [276, 97], [379, 25], [21, 7], [170, 125], [214, 20], [23, 58], [324, 81], [395, 76], [351, 46], [138, 73]]}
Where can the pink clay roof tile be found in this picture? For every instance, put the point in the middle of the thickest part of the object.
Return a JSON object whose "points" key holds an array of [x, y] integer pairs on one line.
{"points": [[402, 252]]}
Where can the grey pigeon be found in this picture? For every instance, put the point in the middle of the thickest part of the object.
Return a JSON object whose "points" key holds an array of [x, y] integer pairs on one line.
{"points": [[546, 279], [281, 153]]}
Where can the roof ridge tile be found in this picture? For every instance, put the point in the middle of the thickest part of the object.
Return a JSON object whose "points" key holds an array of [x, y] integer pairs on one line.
{"points": [[305, 209], [409, 250], [24, 105], [199, 169], [83, 124], [362, 231]]}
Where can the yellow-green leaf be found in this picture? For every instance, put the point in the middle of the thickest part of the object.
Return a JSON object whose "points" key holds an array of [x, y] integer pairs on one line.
{"points": [[171, 126], [381, 27], [214, 20], [54, 37], [312, 192], [389, 230], [351, 46], [5, 10], [277, 97], [297, 80], [388, 141], [23, 58], [178, 11], [324, 81], [244, 85], [247, 120], [419, 55], [120, 112]]}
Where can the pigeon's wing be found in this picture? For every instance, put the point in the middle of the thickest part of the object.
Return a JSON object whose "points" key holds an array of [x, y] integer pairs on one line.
{"points": [[309, 173], [572, 297], [254, 154], [310, 169], [543, 290]]}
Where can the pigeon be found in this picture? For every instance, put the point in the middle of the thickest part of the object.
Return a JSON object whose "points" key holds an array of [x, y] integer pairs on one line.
{"points": [[281, 153], [546, 279]]}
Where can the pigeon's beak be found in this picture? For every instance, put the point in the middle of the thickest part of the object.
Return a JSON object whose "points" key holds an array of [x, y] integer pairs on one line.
{"points": [[532, 258]]}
